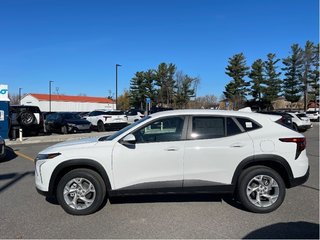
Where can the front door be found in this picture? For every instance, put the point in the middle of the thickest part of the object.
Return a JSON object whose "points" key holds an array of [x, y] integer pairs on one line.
{"points": [[155, 161]]}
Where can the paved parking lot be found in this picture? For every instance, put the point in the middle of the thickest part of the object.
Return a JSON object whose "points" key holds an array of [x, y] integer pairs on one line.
{"points": [[26, 214]]}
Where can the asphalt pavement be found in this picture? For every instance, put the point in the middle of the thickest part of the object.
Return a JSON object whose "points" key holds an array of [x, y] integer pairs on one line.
{"points": [[26, 214]]}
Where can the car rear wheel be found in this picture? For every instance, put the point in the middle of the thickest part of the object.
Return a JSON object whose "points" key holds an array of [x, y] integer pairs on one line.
{"points": [[81, 192], [101, 126], [261, 189]]}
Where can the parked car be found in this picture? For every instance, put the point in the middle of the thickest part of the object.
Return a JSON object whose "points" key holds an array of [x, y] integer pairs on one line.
{"points": [[29, 118], [245, 154], [107, 119], [2, 148], [313, 115], [300, 121], [286, 119], [134, 115], [64, 122]]}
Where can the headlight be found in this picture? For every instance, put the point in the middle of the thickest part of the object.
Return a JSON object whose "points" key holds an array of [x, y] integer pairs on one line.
{"points": [[47, 156], [72, 124]]}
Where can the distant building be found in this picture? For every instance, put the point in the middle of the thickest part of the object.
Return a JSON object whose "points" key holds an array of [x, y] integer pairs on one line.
{"points": [[64, 103]]}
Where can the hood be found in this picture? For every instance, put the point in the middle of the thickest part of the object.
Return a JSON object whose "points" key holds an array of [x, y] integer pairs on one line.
{"points": [[80, 143]]}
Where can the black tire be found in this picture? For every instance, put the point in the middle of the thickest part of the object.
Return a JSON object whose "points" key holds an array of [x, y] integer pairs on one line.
{"points": [[100, 126], [247, 178], [295, 127], [64, 129], [87, 176], [26, 118]]}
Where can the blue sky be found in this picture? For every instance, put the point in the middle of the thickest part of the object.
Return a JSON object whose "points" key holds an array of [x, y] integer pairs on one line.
{"points": [[76, 43]]}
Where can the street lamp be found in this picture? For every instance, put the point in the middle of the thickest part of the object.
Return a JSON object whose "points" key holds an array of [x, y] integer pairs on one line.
{"points": [[20, 95], [50, 95], [117, 65]]}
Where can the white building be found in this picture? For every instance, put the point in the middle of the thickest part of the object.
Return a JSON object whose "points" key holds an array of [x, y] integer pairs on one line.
{"points": [[63, 103]]}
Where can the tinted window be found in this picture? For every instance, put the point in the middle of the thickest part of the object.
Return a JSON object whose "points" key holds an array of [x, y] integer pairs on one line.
{"points": [[114, 113], [163, 130], [70, 116], [248, 124], [232, 127], [207, 127]]}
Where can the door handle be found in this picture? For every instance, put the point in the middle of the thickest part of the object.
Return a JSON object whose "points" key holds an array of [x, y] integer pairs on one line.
{"points": [[237, 145], [172, 149]]}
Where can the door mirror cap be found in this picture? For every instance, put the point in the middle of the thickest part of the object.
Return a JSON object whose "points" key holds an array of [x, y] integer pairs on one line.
{"points": [[129, 139]]}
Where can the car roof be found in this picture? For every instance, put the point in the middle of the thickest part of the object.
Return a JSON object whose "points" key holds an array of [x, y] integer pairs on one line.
{"points": [[206, 112]]}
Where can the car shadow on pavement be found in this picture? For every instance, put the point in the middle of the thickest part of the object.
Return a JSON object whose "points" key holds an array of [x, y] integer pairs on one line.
{"points": [[289, 230], [9, 155], [168, 198], [13, 177]]}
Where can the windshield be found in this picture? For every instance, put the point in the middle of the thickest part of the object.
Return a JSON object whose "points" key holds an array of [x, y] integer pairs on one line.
{"points": [[116, 134]]}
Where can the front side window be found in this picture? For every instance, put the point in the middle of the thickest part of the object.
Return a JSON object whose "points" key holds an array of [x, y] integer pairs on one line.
{"points": [[207, 127], [162, 130]]}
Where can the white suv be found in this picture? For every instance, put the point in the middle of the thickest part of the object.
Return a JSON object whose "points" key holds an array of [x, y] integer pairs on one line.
{"points": [[183, 151], [300, 122], [107, 119]]}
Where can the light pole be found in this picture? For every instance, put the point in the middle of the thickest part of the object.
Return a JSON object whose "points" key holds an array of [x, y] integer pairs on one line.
{"points": [[50, 95], [117, 65], [20, 95]]}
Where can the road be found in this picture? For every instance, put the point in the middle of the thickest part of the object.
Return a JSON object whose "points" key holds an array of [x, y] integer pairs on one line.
{"points": [[26, 214]]}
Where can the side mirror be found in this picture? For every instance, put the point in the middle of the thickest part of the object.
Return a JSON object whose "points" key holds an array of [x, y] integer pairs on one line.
{"points": [[129, 139]]}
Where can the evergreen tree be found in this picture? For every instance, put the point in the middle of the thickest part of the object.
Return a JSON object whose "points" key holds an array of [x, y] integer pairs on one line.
{"points": [[293, 74], [308, 58], [257, 80], [166, 83], [149, 83], [272, 79], [236, 90], [137, 90], [314, 78]]}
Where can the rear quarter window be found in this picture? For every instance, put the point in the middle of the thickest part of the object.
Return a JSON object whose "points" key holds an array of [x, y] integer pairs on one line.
{"points": [[248, 124]]}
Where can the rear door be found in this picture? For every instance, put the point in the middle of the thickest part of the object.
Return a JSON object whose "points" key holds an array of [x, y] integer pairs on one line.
{"points": [[216, 146]]}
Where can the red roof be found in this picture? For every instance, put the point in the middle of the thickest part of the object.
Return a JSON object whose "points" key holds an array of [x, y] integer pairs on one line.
{"points": [[65, 98]]}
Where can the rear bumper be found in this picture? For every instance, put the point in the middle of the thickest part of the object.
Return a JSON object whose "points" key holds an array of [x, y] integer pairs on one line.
{"points": [[115, 125], [304, 127], [293, 182]]}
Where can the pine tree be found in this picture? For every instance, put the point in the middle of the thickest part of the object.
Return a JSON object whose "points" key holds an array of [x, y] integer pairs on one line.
{"points": [[272, 79], [137, 90], [293, 73], [236, 90], [308, 55], [257, 80], [314, 78], [166, 83]]}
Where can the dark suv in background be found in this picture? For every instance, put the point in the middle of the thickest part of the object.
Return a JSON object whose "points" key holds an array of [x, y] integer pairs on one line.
{"points": [[28, 118]]}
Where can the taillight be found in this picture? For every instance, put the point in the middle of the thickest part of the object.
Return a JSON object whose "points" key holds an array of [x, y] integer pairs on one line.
{"points": [[301, 144]]}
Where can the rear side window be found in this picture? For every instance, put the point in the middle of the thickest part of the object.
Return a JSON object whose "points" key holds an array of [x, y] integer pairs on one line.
{"points": [[208, 127], [248, 124]]}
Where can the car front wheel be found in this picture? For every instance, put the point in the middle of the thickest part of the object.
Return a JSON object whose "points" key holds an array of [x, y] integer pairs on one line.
{"points": [[261, 189], [81, 192]]}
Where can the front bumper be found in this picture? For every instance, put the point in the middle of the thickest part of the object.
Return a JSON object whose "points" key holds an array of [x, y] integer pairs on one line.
{"points": [[293, 182]]}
